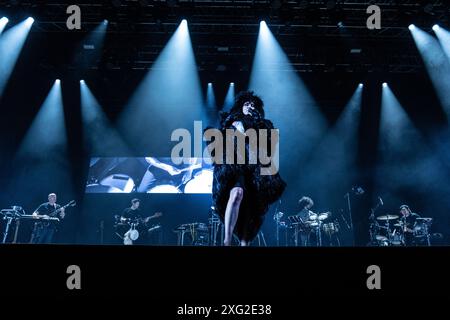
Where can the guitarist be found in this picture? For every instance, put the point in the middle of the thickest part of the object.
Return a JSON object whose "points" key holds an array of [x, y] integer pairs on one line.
{"points": [[44, 231], [133, 215]]}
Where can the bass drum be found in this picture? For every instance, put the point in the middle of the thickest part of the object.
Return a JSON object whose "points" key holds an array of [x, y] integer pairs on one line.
{"points": [[397, 238], [164, 188], [382, 241], [201, 182], [130, 236]]}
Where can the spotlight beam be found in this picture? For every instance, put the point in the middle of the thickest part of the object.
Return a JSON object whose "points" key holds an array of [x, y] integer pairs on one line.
{"points": [[336, 154], [288, 102], [40, 135], [436, 62], [404, 159], [229, 98], [42, 160], [100, 134], [444, 39], [210, 97], [11, 44], [90, 50], [169, 97]]}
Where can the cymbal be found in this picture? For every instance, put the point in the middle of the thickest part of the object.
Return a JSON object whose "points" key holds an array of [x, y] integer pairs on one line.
{"points": [[323, 216], [387, 217]]}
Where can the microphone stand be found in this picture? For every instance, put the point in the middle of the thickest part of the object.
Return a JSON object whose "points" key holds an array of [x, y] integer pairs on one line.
{"points": [[373, 221], [277, 221], [347, 195]]}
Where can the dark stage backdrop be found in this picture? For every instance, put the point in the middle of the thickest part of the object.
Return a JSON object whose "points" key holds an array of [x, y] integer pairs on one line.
{"points": [[422, 181]]}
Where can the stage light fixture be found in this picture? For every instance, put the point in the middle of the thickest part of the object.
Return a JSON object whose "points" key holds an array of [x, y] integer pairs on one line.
{"points": [[435, 27], [3, 23], [11, 44], [411, 27], [29, 21], [385, 84]]}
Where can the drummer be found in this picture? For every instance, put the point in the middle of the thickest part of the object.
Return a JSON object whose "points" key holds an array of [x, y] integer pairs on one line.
{"points": [[408, 219], [305, 214], [305, 203]]}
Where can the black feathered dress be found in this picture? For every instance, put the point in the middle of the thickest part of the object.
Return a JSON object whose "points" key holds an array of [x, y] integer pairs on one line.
{"points": [[259, 190]]}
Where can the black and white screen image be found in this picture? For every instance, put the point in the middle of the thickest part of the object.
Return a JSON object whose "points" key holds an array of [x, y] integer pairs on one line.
{"points": [[149, 175]]}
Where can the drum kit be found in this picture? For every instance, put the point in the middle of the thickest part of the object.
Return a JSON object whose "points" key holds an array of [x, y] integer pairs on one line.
{"points": [[391, 230], [318, 224]]}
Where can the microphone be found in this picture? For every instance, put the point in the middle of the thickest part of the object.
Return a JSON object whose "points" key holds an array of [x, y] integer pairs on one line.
{"points": [[381, 201], [255, 113]]}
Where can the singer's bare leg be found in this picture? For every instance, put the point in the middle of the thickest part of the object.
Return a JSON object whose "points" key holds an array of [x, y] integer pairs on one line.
{"points": [[232, 213]]}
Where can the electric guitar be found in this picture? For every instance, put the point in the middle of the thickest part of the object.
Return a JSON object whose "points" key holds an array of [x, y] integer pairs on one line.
{"points": [[56, 212]]}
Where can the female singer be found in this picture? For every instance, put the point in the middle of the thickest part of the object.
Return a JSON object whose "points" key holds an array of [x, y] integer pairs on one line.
{"points": [[241, 194]]}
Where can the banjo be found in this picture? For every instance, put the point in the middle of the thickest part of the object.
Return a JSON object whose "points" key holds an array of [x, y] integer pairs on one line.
{"points": [[133, 234]]}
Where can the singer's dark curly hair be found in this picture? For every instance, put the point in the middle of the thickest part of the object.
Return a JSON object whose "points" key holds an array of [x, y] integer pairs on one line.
{"points": [[245, 96]]}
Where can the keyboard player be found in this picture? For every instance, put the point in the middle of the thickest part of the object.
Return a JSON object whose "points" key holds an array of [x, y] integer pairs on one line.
{"points": [[44, 231]]}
